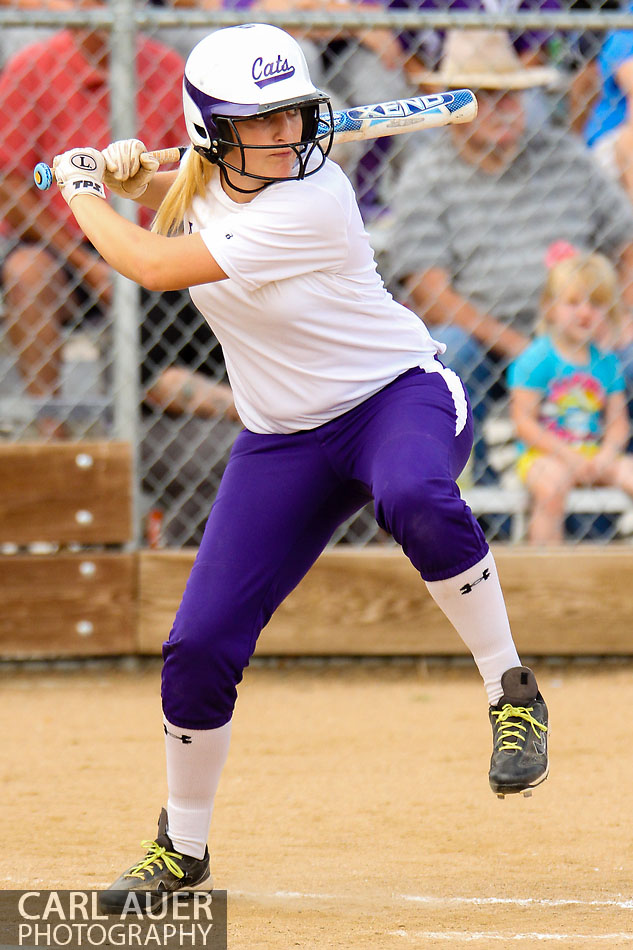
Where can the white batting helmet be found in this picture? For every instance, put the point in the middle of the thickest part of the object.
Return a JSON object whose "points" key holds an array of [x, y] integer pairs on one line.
{"points": [[244, 71]]}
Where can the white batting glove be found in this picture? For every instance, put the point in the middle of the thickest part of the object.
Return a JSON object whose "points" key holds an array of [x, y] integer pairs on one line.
{"points": [[126, 175], [80, 172]]}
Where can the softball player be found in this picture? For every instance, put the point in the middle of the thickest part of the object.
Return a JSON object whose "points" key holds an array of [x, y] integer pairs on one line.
{"points": [[342, 396]]}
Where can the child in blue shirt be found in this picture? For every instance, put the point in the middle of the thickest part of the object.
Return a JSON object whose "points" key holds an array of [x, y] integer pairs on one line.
{"points": [[568, 394]]}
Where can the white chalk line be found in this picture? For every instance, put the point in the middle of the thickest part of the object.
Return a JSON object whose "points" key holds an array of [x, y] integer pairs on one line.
{"points": [[424, 937], [428, 900], [434, 901], [468, 936], [518, 901]]}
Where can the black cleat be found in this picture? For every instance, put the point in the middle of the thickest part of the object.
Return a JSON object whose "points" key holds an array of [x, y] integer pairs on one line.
{"points": [[160, 872], [519, 730]]}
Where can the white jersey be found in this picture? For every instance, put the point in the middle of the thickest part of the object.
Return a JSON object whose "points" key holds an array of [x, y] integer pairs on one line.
{"points": [[307, 327]]}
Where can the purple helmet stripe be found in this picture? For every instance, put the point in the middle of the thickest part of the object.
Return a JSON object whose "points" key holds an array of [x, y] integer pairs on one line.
{"points": [[210, 107]]}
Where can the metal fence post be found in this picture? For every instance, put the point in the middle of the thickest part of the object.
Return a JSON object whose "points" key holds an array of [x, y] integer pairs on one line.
{"points": [[126, 294]]}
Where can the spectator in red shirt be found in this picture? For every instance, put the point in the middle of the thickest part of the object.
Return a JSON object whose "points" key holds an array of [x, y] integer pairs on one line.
{"points": [[53, 94]]}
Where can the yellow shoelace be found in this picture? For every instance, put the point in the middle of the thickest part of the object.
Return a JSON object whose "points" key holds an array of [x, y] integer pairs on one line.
{"points": [[509, 730], [156, 855]]}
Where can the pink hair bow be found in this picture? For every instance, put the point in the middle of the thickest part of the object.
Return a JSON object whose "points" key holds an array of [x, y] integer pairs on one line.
{"points": [[559, 251]]}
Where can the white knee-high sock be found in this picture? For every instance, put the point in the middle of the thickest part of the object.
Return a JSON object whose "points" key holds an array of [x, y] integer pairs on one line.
{"points": [[474, 604], [195, 758]]}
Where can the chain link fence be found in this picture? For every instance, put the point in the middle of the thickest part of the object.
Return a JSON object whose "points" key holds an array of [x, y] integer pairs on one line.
{"points": [[83, 353]]}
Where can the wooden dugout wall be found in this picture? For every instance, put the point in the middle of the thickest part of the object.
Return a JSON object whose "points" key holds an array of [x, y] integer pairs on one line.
{"points": [[71, 503], [89, 596]]}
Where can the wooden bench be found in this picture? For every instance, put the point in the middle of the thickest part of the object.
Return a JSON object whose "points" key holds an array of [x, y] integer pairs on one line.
{"points": [[509, 498], [68, 583], [515, 503]]}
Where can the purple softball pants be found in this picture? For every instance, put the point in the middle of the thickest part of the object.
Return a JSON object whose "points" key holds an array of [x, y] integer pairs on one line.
{"points": [[279, 502]]}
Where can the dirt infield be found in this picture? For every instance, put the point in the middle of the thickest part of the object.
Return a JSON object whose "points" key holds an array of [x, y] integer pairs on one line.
{"points": [[354, 810]]}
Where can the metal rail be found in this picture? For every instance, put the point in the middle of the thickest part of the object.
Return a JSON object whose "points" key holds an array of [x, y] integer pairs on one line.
{"points": [[148, 17]]}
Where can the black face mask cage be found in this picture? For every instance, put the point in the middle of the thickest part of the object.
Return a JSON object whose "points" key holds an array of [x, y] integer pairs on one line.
{"points": [[311, 139]]}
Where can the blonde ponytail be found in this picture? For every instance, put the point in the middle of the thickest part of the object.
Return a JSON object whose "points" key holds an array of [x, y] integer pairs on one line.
{"points": [[193, 177]]}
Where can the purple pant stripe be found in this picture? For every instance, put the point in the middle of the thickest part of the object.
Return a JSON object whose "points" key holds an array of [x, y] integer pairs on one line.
{"points": [[280, 500]]}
